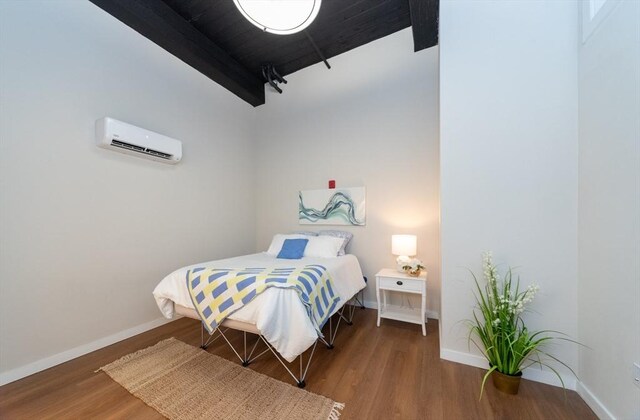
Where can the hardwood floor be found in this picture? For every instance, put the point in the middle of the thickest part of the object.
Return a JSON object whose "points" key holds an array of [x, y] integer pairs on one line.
{"points": [[380, 373]]}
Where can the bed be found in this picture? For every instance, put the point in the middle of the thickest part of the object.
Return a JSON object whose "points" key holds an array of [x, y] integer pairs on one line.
{"points": [[276, 316]]}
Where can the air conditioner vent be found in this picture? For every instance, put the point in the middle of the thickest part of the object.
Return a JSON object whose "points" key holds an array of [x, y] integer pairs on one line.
{"points": [[159, 154], [129, 146], [129, 139]]}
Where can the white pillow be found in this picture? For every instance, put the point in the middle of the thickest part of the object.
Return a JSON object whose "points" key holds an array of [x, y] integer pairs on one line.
{"points": [[278, 241], [347, 236], [323, 246]]}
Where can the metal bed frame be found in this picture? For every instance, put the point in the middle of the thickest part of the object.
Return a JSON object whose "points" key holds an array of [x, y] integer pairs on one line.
{"points": [[343, 314]]}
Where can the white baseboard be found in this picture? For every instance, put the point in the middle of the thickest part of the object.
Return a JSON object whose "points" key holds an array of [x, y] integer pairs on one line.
{"points": [[372, 304], [56, 359], [593, 402], [533, 374]]}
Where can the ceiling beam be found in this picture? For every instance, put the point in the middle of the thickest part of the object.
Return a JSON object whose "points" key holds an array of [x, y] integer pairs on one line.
{"points": [[424, 23], [161, 24], [352, 28]]}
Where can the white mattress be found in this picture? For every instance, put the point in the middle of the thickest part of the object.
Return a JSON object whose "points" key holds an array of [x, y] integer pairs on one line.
{"points": [[277, 313]]}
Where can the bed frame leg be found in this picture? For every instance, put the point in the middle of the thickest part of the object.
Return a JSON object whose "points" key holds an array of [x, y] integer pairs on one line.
{"points": [[331, 336], [203, 345], [361, 293], [352, 309], [246, 360]]}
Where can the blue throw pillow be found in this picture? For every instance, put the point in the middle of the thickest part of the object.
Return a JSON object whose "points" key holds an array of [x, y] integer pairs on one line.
{"points": [[293, 249]]}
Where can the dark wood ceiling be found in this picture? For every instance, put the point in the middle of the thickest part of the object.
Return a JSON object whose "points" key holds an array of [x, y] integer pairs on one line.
{"points": [[213, 37]]}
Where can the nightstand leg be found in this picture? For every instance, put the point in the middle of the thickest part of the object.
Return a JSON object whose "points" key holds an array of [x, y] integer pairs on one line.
{"points": [[378, 299], [384, 296], [424, 309]]}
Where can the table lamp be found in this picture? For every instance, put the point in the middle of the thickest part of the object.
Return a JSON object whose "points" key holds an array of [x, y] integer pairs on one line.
{"points": [[404, 246]]}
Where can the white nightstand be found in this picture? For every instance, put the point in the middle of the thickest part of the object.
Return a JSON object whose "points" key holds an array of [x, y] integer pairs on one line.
{"points": [[391, 279]]}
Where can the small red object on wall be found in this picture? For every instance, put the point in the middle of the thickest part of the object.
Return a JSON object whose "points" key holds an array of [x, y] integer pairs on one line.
{"points": [[332, 184]]}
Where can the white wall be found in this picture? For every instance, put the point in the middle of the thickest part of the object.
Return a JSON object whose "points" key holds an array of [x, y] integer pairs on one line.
{"points": [[508, 107], [86, 233], [372, 120], [609, 213]]}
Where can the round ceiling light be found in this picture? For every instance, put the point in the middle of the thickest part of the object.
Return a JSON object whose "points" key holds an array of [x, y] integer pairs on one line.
{"points": [[280, 17]]}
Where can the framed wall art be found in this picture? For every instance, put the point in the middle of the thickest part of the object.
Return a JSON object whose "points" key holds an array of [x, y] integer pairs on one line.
{"points": [[341, 206]]}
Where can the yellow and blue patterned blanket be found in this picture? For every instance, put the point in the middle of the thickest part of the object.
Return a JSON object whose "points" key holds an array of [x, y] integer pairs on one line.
{"points": [[216, 293]]}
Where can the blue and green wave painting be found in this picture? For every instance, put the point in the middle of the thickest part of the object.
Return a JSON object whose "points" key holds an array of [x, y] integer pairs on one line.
{"points": [[340, 206]]}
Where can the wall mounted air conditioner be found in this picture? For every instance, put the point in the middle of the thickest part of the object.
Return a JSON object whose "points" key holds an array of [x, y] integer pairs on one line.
{"points": [[126, 138]]}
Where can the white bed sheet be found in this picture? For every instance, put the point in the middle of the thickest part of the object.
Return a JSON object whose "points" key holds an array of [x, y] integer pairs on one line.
{"points": [[277, 313]]}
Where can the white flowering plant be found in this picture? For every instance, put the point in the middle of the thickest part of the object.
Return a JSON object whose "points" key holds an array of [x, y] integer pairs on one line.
{"points": [[413, 265], [506, 342]]}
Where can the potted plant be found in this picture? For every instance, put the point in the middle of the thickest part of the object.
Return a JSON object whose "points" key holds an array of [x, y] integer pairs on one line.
{"points": [[413, 268], [505, 340]]}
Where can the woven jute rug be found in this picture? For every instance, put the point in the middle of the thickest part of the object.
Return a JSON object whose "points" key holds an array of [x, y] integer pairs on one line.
{"points": [[184, 382]]}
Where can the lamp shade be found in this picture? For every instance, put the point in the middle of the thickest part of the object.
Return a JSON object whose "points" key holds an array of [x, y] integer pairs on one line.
{"points": [[280, 17], [405, 245]]}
